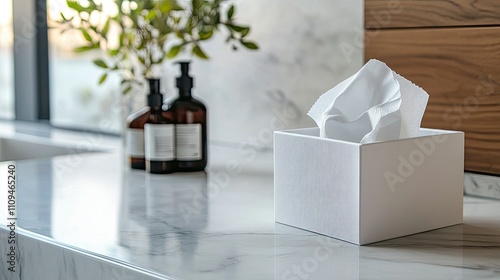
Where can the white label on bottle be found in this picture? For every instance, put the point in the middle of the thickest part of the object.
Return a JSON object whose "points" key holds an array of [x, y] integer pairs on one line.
{"points": [[159, 141], [188, 141], [135, 142]]}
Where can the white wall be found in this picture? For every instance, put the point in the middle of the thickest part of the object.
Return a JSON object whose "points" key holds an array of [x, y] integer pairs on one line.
{"points": [[306, 47]]}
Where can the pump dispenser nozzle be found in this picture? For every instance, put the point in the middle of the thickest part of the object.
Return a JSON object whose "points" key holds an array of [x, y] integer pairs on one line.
{"points": [[185, 82], [154, 85], [155, 98]]}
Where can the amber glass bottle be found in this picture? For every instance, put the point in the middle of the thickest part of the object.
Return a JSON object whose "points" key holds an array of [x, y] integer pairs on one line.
{"points": [[191, 125], [159, 134], [135, 136]]}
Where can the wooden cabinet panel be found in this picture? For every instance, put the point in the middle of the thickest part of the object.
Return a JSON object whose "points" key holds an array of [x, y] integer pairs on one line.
{"points": [[460, 69], [431, 13]]}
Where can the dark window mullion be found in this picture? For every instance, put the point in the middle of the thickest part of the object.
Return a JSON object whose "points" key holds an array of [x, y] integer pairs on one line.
{"points": [[31, 83], [42, 60]]}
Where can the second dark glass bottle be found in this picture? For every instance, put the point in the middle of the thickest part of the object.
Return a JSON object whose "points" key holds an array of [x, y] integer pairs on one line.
{"points": [[159, 134], [135, 138], [191, 125]]}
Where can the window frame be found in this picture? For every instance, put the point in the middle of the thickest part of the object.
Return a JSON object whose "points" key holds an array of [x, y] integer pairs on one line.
{"points": [[31, 64], [31, 61]]}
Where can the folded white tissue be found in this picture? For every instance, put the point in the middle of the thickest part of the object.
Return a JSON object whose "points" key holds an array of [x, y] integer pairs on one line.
{"points": [[375, 104]]}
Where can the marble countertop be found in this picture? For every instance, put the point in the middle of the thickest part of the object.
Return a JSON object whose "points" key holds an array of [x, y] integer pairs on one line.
{"points": [[215, 225]]}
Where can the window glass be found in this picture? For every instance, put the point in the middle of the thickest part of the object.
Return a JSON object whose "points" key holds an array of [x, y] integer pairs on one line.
{"points": [[6, 61], [76, 99]]}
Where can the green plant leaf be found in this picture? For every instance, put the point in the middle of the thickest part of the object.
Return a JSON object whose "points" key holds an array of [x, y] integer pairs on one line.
{"points": [[62, 16], [150, 15], [236, 27], [166, 6], [174, 51], [74, 5], [113, 52], [100, 63], [105, 29], [250, 45], [245, 32], [179, 35], [230, 12], [159, 61], [127, 90], [206, 35], [93, 28], [86, 34], [217, 19], [83, 49], [122, 39], [199, 52], [103, 78], [176, 6]]}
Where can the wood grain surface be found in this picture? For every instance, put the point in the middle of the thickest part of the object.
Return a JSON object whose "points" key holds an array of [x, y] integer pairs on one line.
{"points": [[430, 13], [460, 69]]}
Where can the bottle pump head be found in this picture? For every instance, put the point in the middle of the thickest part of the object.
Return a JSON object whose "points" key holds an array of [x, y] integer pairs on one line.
{"points": [[184, 82], [155, 98]]}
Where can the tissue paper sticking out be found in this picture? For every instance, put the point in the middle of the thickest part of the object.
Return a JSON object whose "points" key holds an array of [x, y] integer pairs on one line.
{"points": [[375, 104]]}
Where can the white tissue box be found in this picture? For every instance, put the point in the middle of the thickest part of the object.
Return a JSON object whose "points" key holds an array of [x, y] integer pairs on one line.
{"points": [[364, 193]]}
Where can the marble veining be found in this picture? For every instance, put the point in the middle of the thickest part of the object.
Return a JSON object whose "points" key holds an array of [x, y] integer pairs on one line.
{"points": [[482, 185]]}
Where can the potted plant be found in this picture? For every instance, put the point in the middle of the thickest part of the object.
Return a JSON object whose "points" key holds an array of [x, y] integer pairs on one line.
{"points": [[137, 35]]}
